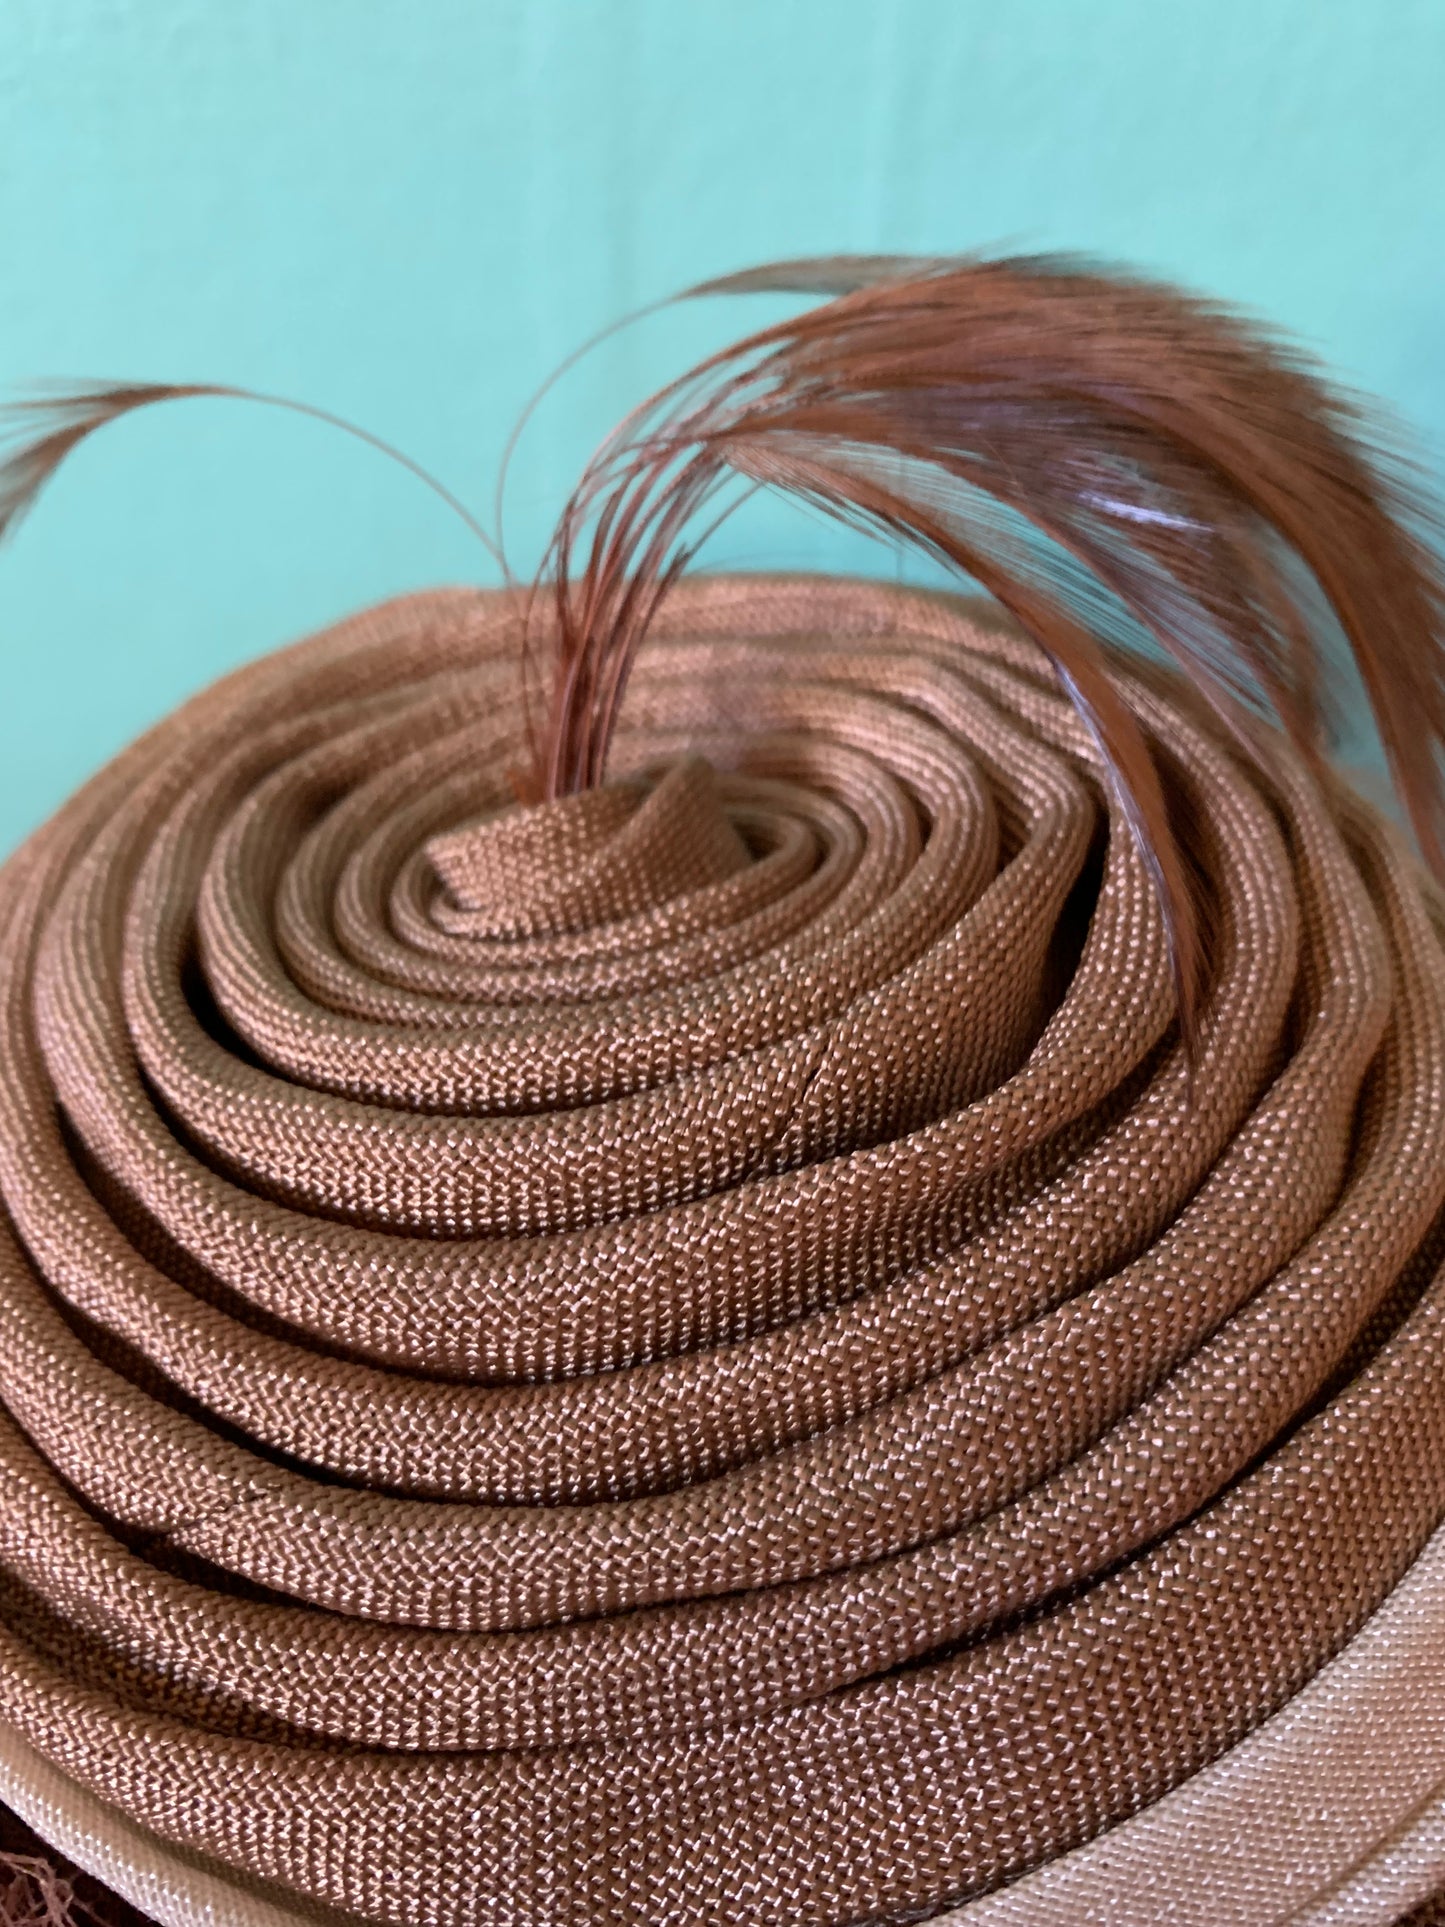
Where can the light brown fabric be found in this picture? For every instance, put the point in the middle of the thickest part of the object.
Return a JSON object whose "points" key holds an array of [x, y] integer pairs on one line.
{"points": [[537, 1394], [1330, 1814], [164, 1883]]}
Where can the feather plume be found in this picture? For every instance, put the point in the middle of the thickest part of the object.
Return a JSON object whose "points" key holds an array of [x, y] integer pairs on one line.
{"points": [[822, 274], [1116, 462], [40, 431]]}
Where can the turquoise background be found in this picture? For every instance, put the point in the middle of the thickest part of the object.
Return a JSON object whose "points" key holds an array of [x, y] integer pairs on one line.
{"points": [[410, 210]]}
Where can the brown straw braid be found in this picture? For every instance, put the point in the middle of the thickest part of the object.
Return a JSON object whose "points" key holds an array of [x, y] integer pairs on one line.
{"points": [[721, 1347], [751, 1489]]}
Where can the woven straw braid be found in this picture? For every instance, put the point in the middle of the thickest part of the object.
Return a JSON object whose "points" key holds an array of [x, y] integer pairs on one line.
{"points": [[1330, 1814], [698, 1353]]}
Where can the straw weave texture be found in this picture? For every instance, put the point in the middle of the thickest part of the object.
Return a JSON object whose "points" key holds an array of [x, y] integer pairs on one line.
{"points": [[698, 1353]]}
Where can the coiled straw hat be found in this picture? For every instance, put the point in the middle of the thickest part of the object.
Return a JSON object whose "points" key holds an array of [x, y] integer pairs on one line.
{"points": [[763, 1250]]}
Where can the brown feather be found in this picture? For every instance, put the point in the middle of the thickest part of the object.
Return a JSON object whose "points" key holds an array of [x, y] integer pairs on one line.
{"points": [[1115, 461], [43, 429], [828, 274]]}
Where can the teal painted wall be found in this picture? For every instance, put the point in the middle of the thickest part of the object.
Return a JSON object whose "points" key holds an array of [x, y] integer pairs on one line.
{"points": [[409, 210]]}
